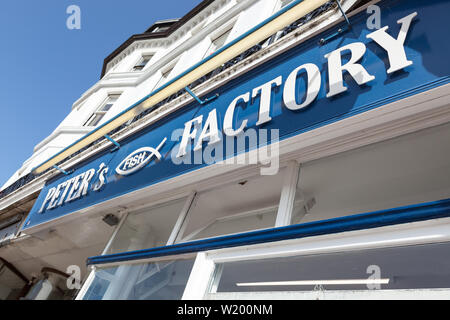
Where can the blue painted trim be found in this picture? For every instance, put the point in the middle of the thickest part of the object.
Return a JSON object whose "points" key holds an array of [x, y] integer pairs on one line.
{"points": [[274, 16], [407, 214], [114, 142], [62, 170], [202, 102]]}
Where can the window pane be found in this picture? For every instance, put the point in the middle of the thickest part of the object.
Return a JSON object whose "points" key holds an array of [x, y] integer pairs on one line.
{"points": [[107, 107], [234, 208], [147, 228], [218, 43], [141, 65], [161, 29], [94, 120], [403, 171], [164, 78], [285, 3], [413, 267], [154, 281]]}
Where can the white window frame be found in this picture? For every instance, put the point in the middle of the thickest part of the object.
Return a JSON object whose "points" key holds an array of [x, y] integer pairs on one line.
{"points": [[149, 55], [427, 232], [165, 74], [227, 28], [99, 112]]}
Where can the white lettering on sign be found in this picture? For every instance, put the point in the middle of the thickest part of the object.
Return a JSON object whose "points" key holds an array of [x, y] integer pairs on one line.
{"points": [[394, 47], [356, 70], [194, 130], [101, 177], [313, 85], [68, 191], [354, 67], [229, 117], [265, 91]]}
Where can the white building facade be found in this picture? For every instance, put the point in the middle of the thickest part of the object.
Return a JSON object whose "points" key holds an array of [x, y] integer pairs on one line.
{"points": [[253, 149]]}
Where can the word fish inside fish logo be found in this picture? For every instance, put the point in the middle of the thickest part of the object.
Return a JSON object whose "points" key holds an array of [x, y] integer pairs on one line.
{"points": [[139, 159]]}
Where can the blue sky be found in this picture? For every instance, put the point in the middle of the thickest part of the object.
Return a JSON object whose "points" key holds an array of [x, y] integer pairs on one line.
{"points": [[46, 67]]}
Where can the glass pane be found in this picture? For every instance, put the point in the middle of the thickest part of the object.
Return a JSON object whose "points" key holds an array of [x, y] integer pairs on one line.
{"points": [[94, 120], [154, 281], [285, 3], [110, 102], [147, 228], [9, 232], [230, 225], [141, 65], [161, 29], [107, 107], [403, 171], [164, 78], [237, 207], [413, 267]]}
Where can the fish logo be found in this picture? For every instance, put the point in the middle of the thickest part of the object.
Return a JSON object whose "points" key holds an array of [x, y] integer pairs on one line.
{"points": [[139, 159]]}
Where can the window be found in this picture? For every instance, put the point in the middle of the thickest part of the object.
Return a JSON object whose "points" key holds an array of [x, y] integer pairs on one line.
{"points": [[147, 228], [101, 112], [241, 206], [399, 172], [284, 3], [142, 63], [161, 29], [164, 77], [163, 280], [218, 42], [425, 266]]}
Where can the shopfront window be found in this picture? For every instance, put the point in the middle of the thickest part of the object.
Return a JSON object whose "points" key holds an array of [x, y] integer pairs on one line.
{"points": [[424, 266], [147, 228], [404, 171], [241, 206], [164, 280]]}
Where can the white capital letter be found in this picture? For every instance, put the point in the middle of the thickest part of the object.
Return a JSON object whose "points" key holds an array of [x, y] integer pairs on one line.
{"points": [[50, 194], [394, 47], [189, 134], [210, 131], [266, 99], [312, 89], [356, 70], [229, 115]]}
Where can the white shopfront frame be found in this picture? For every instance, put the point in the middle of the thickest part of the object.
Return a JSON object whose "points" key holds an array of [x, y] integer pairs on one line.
{"points": [[205, 275]]}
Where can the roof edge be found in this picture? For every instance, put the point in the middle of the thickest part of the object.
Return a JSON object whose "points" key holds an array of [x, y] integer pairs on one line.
{"points": [[176, 24]]}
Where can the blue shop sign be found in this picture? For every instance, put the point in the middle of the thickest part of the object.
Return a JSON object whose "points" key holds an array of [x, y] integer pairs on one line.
{"points": [[307, 87]]}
